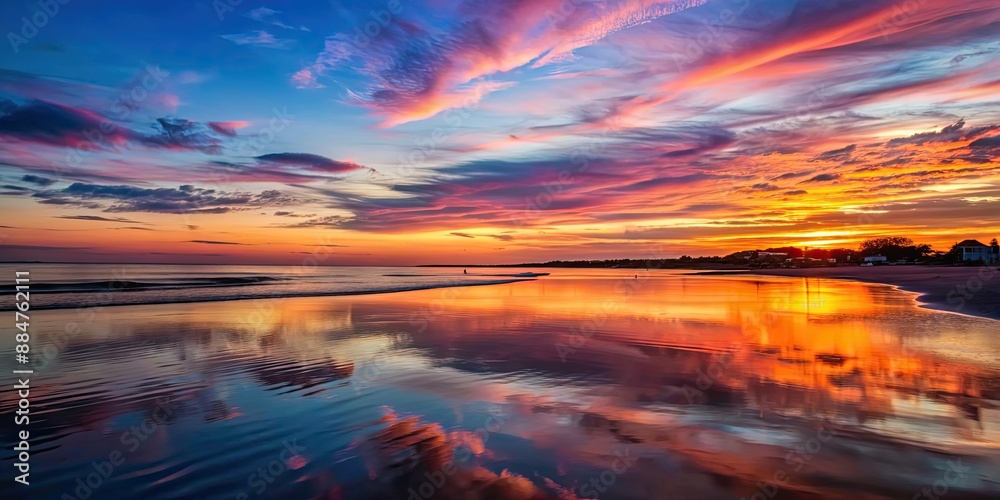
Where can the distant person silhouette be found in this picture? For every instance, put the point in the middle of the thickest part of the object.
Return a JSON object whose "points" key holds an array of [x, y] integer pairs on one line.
{"points": [[465, 271]]}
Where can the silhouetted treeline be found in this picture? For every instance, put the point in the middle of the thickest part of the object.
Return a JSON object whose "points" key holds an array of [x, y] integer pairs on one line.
{"points": [[894, 248]]}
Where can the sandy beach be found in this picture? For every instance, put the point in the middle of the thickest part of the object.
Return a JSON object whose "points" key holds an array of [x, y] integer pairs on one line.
{"points": [[973, 290]]}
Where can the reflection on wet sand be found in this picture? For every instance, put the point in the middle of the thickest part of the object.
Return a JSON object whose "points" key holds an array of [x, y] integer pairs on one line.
{"points": [[425, 461], [660, 387]]}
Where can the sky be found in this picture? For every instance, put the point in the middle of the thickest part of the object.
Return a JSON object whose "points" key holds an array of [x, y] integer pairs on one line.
{"points": [[399, 132]]}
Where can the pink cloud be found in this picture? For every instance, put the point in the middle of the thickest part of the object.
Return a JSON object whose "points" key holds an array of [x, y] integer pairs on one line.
{"points": [[228, 128], [408, 85], [305, 78]]}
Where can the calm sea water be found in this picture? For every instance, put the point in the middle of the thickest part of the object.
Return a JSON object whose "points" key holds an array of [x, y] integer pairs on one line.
{"points": [[76, 285], [585, 383]]}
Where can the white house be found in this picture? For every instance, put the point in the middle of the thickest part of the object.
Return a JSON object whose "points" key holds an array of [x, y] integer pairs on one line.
{"points": [[773, 254], [976, 251]]}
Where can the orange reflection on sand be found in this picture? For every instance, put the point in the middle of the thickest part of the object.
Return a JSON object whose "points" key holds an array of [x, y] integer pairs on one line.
{"points": [[817, 346]]}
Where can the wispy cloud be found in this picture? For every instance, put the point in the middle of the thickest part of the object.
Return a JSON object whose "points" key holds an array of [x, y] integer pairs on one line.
{"points": [[415, 73], [259, 39], [310, 161], [97, 218], [212, 242], [185, 199], [47, 123], [270, 16], [37, 180]]}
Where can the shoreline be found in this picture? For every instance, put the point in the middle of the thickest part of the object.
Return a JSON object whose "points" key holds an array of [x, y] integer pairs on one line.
{"points": [[273, 296], [947, 289]]}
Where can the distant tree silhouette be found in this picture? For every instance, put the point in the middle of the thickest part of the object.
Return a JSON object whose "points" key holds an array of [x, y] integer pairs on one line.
{"points": [[894, 248], [953, 256], [876, 244]]}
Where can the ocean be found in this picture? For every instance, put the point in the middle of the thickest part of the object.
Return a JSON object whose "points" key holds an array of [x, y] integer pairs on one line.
{"points": [[87, 285], [584, 383]]}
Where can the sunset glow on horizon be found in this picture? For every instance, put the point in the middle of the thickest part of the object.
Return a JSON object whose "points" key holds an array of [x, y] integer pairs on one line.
{"points": [[481, 132]]}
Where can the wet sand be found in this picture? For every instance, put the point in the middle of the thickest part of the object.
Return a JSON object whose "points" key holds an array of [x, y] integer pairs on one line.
{"points": [[668, 386], [973, 290]]}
